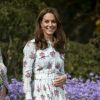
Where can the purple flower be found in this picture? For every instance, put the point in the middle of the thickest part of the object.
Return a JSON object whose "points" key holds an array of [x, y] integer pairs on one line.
{"points": [[15, 89], [75, 89], [7, 98]]}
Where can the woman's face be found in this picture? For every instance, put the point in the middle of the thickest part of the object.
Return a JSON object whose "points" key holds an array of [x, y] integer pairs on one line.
{"points": [[48, 24]]}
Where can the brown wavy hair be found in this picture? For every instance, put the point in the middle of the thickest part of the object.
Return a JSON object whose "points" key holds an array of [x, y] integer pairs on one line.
{"points": [[58, 36]]}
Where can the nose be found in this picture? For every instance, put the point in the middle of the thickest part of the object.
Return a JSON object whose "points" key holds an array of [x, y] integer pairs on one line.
{"points": [[50, 23]]}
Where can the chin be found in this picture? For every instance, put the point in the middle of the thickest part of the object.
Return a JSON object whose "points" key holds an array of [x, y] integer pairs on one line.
{"points": [[50, 33]]}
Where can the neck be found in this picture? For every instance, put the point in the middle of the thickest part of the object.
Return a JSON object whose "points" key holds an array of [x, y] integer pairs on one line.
{"points": [[49, 38]]}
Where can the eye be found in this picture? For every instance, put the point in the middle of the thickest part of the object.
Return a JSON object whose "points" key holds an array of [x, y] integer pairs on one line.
{"points": [[46, 21], [53, 21]]}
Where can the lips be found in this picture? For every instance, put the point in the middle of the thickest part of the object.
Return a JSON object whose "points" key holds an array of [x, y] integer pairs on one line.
{"points": [[50, 29]]}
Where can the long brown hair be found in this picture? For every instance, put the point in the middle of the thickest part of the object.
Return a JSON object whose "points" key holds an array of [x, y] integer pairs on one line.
{"points": [[59, 38]]}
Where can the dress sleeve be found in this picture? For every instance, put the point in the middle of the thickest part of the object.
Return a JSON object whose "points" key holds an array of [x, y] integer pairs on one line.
{"points": [[3, 74], [28, 60]]}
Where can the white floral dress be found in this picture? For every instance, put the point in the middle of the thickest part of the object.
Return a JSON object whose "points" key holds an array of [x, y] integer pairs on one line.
{"points": [[46, 65], [3, 80]]}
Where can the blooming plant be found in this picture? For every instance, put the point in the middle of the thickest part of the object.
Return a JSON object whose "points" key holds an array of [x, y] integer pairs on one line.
{"points": [[78, 89], [15, 90], [75, 88]]}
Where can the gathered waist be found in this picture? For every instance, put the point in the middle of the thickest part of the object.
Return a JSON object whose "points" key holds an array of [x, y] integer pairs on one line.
{"points": [[41, 76]]}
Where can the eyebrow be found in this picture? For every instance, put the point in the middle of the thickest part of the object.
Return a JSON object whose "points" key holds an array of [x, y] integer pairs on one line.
{"points": [[48, 19]]}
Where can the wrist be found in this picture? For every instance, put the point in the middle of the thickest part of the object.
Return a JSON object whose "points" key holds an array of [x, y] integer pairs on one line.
{"points": [[66, 77]]}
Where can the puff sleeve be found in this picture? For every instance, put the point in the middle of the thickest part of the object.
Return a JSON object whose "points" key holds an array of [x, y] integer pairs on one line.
{"points": [[28, 60]]}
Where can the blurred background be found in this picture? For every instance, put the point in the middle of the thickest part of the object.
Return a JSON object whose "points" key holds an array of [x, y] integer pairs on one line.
{"points": [[81, 22]]}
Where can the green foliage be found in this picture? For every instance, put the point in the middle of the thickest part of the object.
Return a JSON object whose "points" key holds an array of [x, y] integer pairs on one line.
{"points": [[17, 20], [82, 59], [16, 25]]}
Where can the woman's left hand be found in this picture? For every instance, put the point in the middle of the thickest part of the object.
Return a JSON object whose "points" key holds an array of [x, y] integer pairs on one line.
{"points": [[59, 80]]}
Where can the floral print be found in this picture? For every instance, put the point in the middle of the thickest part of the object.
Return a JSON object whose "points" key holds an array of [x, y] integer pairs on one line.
{"points": [[3, 80], [45, 65], [3, 75]]}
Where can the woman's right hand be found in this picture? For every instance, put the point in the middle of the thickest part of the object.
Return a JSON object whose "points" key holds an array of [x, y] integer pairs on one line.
{"points": [[59, 80]]}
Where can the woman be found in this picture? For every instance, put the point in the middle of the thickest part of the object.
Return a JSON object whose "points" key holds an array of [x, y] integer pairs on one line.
{"points": [[44, 56]]}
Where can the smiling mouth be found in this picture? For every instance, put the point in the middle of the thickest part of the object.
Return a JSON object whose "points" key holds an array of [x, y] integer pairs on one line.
{"points": [[50, 28]]}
